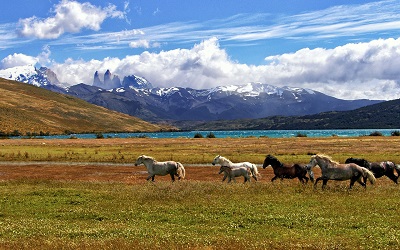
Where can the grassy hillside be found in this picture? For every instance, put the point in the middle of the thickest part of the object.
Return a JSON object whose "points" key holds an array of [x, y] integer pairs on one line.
{"points": [[30, 109], [379, 116]]}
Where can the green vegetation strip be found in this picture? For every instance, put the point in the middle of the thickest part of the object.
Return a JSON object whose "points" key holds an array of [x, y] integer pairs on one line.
{"points": [[200, 150], [198, 215]]}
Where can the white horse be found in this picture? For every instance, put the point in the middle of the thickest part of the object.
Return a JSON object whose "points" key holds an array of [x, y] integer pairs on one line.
{"points": [[235, 172], [161, 168], [332, 170], [226, 162]]}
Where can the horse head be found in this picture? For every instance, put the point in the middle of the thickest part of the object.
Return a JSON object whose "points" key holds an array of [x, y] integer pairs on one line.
{"points": [[359, 161], [313, 162], [224, 169], [141, 159], [269, 160], [216, 160]]}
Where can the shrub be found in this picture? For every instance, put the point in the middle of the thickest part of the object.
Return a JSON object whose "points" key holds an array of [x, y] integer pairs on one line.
{"points": [[300, 135], [210, 135], [375, 133], [395, 133], [99, 135], [16, 133], [198, 135]]}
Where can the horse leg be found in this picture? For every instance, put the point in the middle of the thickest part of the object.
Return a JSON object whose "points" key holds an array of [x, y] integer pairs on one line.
{"points": [[150, 177], [352, 180], [172, 176], [274, 178], [358, 179], [224, 178], [254, 174], [392, 177], [324, 182], [362, 183], [316, 181]]}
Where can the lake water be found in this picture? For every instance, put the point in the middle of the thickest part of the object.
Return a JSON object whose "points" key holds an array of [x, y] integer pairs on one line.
{"points": [[238, 134]]}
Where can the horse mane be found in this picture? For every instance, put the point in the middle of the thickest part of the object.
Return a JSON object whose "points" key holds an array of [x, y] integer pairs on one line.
{"points": [[224, 158], [327, 158], [226, 168], [148, 157], [273, 158]]}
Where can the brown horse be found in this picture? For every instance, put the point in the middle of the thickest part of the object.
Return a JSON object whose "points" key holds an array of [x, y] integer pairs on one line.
{"points": [[378, 168], [287, 171], [332, 170]]}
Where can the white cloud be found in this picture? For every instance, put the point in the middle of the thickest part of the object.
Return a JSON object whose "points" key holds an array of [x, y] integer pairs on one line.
{"points": [[17, 59], [144, 44], [156, 12], [356, 22], [353, 71], [69, 16], [362, 70], [140, 44]]}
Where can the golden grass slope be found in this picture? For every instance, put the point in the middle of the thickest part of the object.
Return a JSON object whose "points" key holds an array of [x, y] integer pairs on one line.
{"points": [[28, 108]]}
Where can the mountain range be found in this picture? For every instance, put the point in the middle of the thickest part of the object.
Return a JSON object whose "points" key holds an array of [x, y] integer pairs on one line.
{"points": [[136, 96], [384, 115]]}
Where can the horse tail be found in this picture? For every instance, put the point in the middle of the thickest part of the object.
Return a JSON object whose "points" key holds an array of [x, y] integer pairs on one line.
{"points": [[180, 171], [369, 175]]}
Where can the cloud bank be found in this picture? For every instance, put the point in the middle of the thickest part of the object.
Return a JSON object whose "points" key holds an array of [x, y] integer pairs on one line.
{"points": [[69, 16], [352, 71], [357, 70]]}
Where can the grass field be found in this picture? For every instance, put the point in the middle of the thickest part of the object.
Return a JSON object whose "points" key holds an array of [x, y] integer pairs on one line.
{"points": [[88, 195]]}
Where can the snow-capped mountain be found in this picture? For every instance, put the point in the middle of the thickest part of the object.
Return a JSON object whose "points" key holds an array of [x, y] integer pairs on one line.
{"points": [[111, 81], [30, 74], [251, 100], [136, 96]]}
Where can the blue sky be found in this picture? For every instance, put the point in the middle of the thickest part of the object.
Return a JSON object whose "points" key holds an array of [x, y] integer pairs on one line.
{"points": [[349, 49]]}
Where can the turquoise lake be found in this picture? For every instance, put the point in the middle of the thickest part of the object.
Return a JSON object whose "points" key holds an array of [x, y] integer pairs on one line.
{"points": [[239, 134]]}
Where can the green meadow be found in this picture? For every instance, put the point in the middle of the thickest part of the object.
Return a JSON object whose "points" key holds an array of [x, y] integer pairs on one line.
{"points": [[196, 215]]}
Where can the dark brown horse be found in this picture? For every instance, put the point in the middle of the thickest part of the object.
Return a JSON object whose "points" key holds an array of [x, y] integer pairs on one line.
{"points": [[379, 169], [287, 171]]}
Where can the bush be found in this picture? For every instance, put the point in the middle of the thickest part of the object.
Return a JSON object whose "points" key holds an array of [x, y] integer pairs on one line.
{"points": [[301, 135], [395, 133], [198, 135], [99, 135], [375, 133], [210, 135]]}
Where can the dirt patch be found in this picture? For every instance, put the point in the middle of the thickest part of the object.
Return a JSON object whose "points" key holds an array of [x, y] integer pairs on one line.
{"points": [[108, 173]]}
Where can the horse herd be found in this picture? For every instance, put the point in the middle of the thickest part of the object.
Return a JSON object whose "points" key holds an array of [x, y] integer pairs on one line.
{"points": [[354, 169]]}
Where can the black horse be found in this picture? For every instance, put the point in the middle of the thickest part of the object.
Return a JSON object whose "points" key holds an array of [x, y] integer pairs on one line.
{"points": [[378, 168], [287, 171]]}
